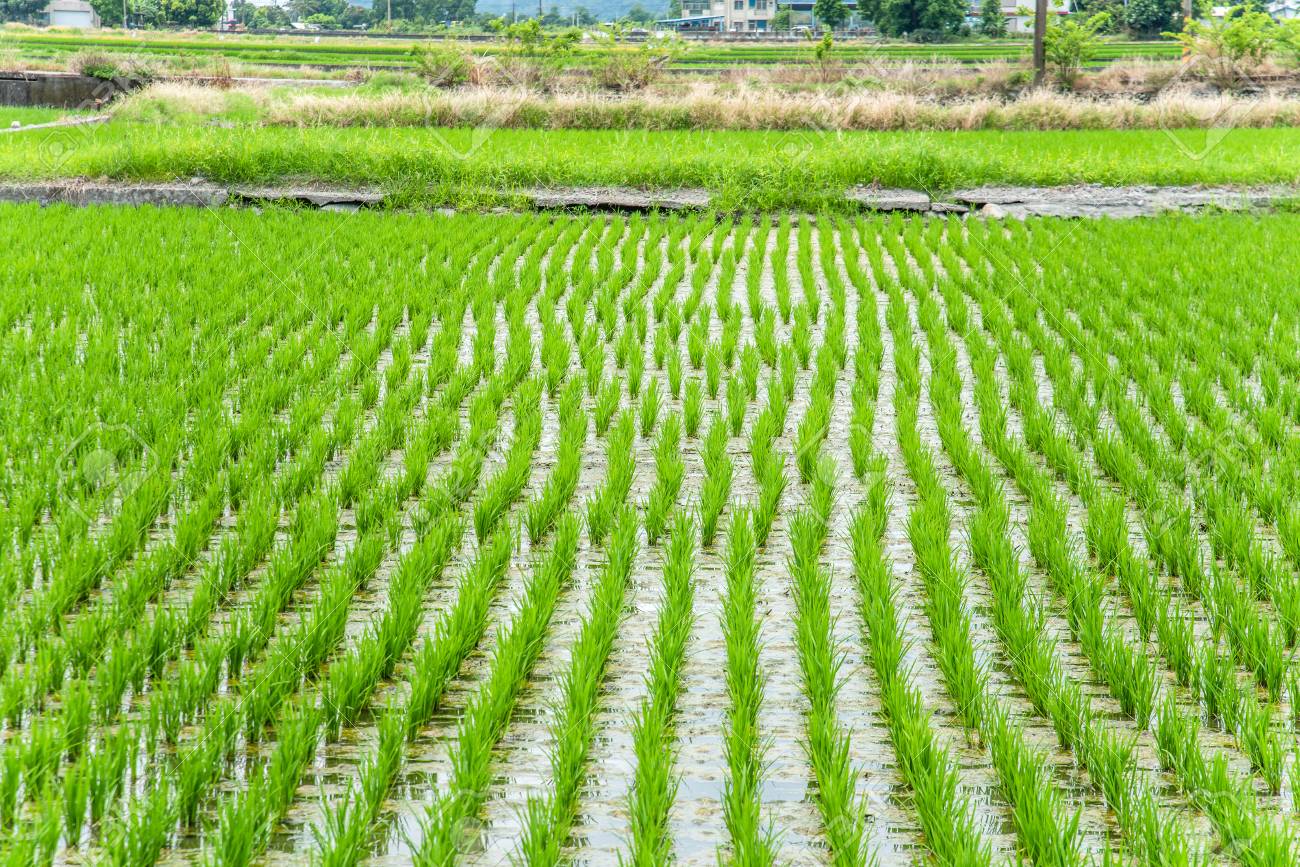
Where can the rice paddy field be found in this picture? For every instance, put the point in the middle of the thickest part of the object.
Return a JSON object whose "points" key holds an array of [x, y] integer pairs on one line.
{"points": [[515, 538], [391, 53]]}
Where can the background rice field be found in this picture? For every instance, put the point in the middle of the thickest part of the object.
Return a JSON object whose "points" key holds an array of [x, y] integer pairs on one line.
{"points": [[486, 538]]}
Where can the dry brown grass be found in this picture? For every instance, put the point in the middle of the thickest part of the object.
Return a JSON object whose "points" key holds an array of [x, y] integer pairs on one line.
{"points": [[702, 106]]}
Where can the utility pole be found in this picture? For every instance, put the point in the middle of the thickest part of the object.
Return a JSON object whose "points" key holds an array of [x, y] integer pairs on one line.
{"points": [[1040, 33], [1187, 16], [390, 16]]}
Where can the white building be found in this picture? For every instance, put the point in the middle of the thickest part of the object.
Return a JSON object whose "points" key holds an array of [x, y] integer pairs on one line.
{"points": [[72, 13], [734, 16], [1017, 21]]}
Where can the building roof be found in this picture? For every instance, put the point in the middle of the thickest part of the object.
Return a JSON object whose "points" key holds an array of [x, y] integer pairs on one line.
{"points": [[690, 20], [69, 6]]}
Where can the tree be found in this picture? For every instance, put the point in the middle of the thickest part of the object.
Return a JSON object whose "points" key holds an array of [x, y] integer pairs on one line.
{"points": [[832, 13], [1150, 17], [1068, 45], [897, 17], [783, 19], [944, 16], [29, 11], [638, 14], [992, 22]]}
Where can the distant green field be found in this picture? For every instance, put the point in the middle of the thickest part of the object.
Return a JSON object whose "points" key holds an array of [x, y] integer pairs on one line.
{"points": [[294, 51]]}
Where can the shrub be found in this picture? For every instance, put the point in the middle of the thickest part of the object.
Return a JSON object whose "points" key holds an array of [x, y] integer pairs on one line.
{"points": [[443, 65], [1240, 39], [1069, 45], [95, 64]]}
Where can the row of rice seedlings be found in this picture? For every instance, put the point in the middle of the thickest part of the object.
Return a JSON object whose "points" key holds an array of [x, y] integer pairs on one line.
{"points": [[945, 813], [548, 819], [815, 425], [654, 786], [485, 717], [804, 263], [311, 536], [500, 491], [620, 467], [1228, 802], [349, 825], [820, 659], [1044, 832], [780, 274], [1154, 837], [767, 463], [753, 839]]}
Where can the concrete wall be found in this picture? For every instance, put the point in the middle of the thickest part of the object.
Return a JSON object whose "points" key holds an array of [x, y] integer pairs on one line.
{"points": [[60, 89]]}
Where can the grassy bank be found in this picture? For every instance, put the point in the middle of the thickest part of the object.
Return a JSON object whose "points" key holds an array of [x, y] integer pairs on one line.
{"points": [[746, 169], [703, 106]]}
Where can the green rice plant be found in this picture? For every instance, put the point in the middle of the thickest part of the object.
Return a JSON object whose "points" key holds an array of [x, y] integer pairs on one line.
{"points": [[718, 472], [504, 488], [675, 375], [670, 471], [607, 403], [692, 407], [712, 374], [650, 401], [737, 403]]}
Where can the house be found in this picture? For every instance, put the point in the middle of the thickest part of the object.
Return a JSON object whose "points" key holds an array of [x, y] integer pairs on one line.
{"points": [[739, 16], [733, 16], [1020, 16], [72, 13], [1281, 10], [801, 12]]}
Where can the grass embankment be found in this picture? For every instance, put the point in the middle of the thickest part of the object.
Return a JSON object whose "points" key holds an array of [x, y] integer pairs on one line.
{"points": [[402, 102], [749, 170]]}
